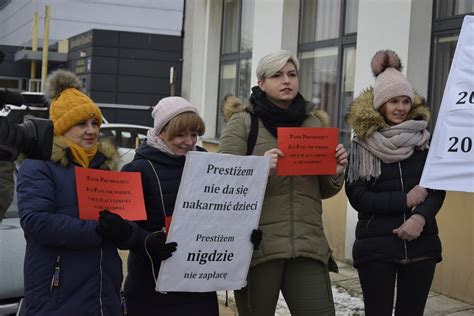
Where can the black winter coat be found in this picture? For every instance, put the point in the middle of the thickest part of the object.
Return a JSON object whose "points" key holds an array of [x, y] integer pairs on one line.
{"points": [[381, 207], [140, 294]]}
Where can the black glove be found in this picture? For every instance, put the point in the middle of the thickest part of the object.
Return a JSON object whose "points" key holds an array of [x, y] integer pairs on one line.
{"points": [[113, 227], [256, 238], [157, 246]]}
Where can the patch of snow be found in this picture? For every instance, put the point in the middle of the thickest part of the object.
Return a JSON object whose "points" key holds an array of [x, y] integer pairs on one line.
{"points": [[344, 303]]}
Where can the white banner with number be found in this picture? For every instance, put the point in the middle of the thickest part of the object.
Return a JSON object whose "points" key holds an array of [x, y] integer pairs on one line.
{"points": [[218, 205], [450, 162]]}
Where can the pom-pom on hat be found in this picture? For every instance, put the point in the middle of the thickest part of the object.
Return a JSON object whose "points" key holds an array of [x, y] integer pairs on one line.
{"points": [[167, 109], [389, 82], [69, 105]]}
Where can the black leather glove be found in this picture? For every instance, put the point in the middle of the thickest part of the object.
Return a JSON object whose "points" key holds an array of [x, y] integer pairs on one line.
{"points": [[256, 238], [113, 227], [157, 246]]}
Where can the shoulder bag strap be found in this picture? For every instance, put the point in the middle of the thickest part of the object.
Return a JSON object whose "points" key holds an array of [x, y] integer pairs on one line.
{"points": [[253, 133], [159, 187]]}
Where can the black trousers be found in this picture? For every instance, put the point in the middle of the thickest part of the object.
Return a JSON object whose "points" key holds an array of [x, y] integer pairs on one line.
{"points": [[377, 279]]}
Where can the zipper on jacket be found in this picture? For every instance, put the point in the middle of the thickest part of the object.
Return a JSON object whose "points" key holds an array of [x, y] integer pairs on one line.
{"points": [[124, 304], [368, 222], [57, 272], [100, 283], [292, 220], [404, 213]]}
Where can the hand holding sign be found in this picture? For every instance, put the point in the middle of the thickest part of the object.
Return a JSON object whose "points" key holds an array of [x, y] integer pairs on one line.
{"points": [[274, 154], [112, 227], [341, 159], [156, 245]]}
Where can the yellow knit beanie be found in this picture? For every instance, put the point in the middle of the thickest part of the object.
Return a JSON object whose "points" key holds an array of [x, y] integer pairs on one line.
{"points": [[68, 105]]}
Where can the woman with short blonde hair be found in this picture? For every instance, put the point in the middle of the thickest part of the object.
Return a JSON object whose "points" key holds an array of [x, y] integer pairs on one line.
{"points": [[294, 256]]}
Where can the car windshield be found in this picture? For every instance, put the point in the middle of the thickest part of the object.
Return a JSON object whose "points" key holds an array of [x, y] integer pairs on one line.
{"points": [[124, 136], [12, 210]]}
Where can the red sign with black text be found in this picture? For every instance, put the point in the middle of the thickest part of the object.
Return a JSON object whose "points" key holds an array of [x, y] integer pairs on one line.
{"points": [[118, 192], [307, 150]]}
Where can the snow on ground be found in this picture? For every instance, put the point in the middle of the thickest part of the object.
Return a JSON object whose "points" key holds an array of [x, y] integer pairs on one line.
{"points": [[345, 303]]}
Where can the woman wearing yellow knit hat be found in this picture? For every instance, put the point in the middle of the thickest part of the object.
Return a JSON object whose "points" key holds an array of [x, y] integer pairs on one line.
{"points": [[71, 265]]}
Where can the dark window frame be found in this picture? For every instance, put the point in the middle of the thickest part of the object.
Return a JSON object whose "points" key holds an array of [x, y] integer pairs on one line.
{"points": [[342, 42], [227, 58], [448, 25]]}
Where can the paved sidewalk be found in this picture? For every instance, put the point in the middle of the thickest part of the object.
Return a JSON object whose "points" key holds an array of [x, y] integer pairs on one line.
{"points": [[347, 279]]}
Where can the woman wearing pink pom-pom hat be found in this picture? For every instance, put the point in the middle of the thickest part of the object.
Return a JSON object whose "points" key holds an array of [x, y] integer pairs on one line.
{"points": [[397, 238]]}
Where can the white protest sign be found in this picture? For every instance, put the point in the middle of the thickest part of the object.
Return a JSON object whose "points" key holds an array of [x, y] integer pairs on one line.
{"points": [[218, 205], [450, 162]]}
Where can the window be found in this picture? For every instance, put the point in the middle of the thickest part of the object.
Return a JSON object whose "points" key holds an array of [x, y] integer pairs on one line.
{"points": [[449, 8], [327, 57], [447, 24], [15, 84], [236, 53], [443, 53], [130, 136]]}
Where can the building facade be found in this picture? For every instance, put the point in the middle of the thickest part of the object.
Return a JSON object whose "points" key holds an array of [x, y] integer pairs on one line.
{"points": [[335, 41], [128, 55]]}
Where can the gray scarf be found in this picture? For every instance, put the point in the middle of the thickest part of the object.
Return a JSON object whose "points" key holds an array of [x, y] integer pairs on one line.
{"points": [[387, 145]]}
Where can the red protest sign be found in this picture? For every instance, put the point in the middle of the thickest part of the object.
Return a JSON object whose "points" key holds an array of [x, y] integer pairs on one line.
{"points": [[307, 150], [118, 192]]}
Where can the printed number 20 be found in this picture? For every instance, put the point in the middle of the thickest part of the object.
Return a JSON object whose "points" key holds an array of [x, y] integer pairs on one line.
{"points": [[466, 144], [463, 95]]}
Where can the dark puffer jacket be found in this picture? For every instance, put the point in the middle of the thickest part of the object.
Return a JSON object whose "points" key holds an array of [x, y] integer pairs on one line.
{"points": [[381, 203], [89, 270], [140, 294]]}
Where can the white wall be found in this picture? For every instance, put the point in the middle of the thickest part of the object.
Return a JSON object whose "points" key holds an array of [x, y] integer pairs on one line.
{"points": [[399, 25], [275, 28], [72, 17], [418, 63], [201, 58]]}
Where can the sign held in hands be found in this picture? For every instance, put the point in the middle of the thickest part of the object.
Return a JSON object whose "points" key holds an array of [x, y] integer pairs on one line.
{"points": [[118, 192], [307, 150], [218, 205]]}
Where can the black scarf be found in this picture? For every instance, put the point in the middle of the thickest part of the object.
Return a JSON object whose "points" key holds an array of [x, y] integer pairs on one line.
{"points": [[273, 116]]}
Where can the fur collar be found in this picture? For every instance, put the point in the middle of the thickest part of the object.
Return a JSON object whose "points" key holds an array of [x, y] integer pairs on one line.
{"points": [[323, 116], [365, 120], [60, 153]]}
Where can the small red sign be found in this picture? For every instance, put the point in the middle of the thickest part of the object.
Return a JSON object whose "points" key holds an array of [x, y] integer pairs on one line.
{"points": [[307, 150], [118, 192]]}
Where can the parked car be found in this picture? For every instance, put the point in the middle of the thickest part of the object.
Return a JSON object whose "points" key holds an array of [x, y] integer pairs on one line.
{"points": [[127, 137], [12, 254]]}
